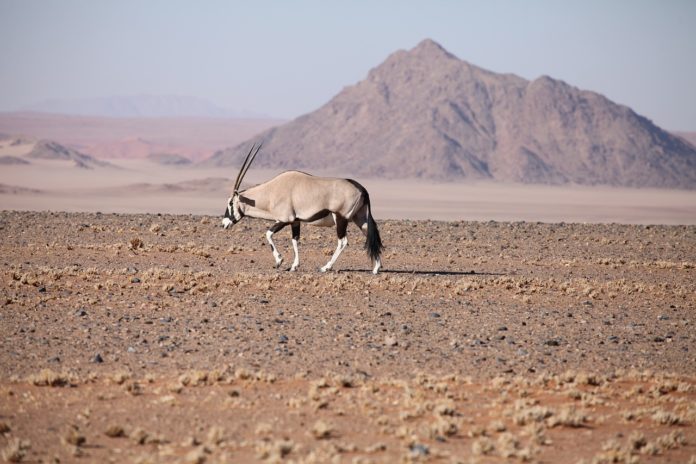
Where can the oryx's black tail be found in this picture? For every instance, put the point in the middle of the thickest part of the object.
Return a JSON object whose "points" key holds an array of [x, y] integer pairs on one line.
{"points": [[373, 244]]}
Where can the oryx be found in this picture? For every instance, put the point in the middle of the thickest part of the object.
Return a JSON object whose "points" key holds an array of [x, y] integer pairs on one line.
{"points": [[293, 197]]}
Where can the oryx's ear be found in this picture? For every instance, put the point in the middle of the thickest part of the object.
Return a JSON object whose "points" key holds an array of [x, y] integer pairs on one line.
{"points": [[247, 201]]}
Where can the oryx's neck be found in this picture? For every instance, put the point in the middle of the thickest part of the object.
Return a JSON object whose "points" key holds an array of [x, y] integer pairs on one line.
{"points": [[256, 204]]}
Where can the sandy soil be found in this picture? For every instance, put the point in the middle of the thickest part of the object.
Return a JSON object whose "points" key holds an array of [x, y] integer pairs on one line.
{"points": [[138, 186], [157, 338]]}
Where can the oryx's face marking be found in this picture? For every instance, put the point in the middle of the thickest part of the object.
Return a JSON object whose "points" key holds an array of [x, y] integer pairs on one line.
{"points": [[232, 212]]}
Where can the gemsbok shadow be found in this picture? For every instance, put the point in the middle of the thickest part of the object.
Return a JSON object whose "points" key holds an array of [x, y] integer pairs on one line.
{"points": [[429, 273]]}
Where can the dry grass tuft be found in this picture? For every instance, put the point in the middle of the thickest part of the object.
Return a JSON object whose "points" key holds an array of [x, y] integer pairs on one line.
{"points": [[4, 428], [667, 418], [49, 378], [567, 417], [482, 446], [115, 431], [321, 430], [74, 437], [16, 450], [136, 243]]}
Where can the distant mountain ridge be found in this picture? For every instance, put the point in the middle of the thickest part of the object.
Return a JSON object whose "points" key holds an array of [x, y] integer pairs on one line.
{"points": [[140, 106], [50, 150], [425, 113], [22, 150]]}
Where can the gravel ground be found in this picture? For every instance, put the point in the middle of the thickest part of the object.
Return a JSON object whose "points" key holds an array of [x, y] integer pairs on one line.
{"points": [[149, 298]]}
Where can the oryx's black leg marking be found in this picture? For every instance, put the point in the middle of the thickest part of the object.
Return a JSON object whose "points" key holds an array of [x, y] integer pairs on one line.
{"points": [[269, 237], [341, 226], [296, 230], [295, 243]]}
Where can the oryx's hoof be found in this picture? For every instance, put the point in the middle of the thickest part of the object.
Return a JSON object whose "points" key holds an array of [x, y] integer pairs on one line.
{"points": [[324, 269], [278, 263], [293, 269]]}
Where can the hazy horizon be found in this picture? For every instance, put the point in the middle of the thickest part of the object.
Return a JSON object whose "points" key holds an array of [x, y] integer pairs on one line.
{"points": [[286, 59]]}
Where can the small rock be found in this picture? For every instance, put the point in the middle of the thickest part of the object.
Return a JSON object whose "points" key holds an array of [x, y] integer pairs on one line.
{"points": [[135, 280], [81, 312], [418, 449], [131, 349], [502, 328], [552, 342], [434, 315], [42, 289], [97, 359], [658, 339], [390, 340], [283, 339], [662, 317]]}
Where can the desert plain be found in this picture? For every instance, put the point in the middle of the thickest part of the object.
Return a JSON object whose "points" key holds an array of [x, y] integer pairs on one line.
{"points": [[511, 323], [164, 338]]}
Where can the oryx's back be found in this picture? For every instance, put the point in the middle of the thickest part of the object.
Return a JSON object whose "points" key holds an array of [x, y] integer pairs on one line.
{"points": [[309, 195]]}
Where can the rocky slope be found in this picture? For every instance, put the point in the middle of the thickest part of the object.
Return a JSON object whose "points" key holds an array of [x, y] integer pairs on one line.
{"points": [[425, 113]]}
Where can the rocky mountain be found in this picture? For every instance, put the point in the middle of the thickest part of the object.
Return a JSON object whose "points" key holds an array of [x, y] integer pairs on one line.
{"points": [[169, 159], [425, 113], [10, 160], [139, 106], [50, 150]]}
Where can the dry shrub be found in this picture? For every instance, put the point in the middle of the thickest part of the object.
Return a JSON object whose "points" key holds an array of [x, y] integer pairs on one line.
{"points": [[321, 430], [196, 456], [134, 388], [120, 378], [567, 417], [667, 418], [49, 378], [73, 437], [482, 446], [672, 440], [194, 378], [275, 451], [443, 428], [115, 431], [531, 414], [141, 437], [135, 243], [216, 435], [16, 450]]}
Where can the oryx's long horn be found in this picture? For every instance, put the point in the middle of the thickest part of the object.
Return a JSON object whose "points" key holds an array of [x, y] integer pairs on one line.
{"points": [[246, 167], [239, 175]]}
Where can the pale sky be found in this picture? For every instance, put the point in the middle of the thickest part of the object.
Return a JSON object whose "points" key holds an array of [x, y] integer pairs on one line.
{"points": [[286, 58]]}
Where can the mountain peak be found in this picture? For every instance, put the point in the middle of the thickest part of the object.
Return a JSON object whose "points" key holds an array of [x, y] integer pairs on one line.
{"points": [[425, 113], [431, 48]]}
